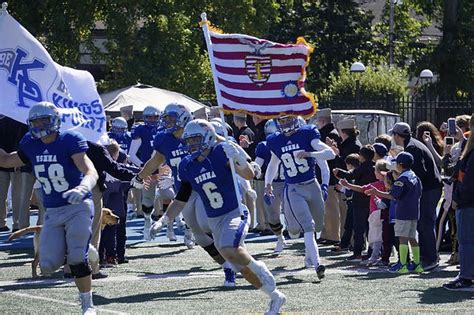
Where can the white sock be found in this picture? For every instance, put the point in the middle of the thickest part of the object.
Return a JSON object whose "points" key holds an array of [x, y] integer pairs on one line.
{"points": [[311, 248], [264, 275], [227, 265], [86, 296], [281, 238]]}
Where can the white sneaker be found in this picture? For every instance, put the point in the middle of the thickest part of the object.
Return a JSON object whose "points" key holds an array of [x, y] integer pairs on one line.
{"points": [[156, 228], [307, 262], [87, 306], [188, 238], [280, 244], [170, 233], [146, 228], [276, 302], [180, 224]]}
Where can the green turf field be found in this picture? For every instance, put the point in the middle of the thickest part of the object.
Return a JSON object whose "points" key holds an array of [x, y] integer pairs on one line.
{"points": [[167, 278]]}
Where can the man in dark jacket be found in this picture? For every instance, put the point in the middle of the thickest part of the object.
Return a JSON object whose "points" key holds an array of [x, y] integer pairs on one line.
{"points": [[335, 212], [425, 168]]}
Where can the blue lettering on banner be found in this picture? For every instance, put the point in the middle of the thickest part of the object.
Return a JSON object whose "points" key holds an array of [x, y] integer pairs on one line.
{"points": [[19, 74]]}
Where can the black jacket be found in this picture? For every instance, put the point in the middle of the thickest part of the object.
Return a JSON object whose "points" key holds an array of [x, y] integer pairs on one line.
{"points": [[11, 133], [424, 164], [348, 146], [464, 192], [331, 132], [104, 163], [362, 175]]}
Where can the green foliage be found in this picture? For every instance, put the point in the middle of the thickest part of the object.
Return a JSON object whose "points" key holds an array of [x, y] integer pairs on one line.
{"points": [[375, 83]]}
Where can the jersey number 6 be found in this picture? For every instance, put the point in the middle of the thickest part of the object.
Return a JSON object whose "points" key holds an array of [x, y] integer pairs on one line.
{"points": [[215, 198]]}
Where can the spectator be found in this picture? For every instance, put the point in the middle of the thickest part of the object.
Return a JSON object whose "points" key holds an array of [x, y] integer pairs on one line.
{"points": [[335, 206], [464, 202], [381, 152], [428, 134], [362, 175], [244, 136], [384, 139], [127, 113], [425, 168]]}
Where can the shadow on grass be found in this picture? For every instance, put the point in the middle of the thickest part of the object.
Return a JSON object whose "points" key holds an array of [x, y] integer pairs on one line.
{"points": [[439, 295], [372, 276], [157, 255]]}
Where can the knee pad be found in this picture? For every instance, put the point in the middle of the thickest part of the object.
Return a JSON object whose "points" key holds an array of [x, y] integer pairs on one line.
{"points": [[276, 227], [147, 210], [80, 270]]}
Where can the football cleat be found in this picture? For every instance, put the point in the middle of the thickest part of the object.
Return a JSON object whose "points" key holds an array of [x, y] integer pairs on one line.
{"points": [[147, 235], [280, 244], [276, 302], [188, 238], [320, 271], [156, 227], [229, 278], [170, 233]]}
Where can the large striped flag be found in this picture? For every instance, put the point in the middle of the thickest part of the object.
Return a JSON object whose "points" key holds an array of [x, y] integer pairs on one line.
{"points": [[257, 76]]}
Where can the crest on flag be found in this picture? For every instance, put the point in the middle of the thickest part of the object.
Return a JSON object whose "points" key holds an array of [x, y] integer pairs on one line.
{"points": [[258, 65]]}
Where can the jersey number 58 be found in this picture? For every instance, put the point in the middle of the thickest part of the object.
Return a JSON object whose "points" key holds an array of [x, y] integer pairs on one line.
{"points": [[54, 178]]}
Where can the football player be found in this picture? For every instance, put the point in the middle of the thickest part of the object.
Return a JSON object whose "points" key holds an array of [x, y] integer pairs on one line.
{"points": [[207, 171], [119, 133], [272, 205], [67, 177], [141, 149], [170, 149], [298, 148]]}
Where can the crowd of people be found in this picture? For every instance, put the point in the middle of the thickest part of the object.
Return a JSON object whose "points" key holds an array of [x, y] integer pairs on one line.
{"points": [[287, 177]]}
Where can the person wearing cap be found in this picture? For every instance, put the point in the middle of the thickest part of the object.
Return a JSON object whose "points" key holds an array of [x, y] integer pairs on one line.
{"points": [[381, 152], [425, 168], [407, 191], [127, 113], [336, 207]]}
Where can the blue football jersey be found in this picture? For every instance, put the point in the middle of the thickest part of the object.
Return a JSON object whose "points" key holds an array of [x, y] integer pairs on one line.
{"points": [[286, 149], [173, 150], [212, 180], [264, 153], [123, 140], [53, 165], [146, 134]]}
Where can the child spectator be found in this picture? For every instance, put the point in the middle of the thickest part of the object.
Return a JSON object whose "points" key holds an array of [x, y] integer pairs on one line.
{"points": [[362, 175], [381, 152], [407, 191], [375, 222], [387, 215], [352, 162]]}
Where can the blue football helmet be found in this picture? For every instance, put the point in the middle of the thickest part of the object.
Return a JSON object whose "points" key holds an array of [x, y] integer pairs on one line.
{"points": [[151, 116], [175, 116], [199, 135], [118, 126], [287, 124], [40, 111]]}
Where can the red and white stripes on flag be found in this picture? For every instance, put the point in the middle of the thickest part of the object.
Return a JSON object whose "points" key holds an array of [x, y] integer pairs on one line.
{"points": [[258, 76]]}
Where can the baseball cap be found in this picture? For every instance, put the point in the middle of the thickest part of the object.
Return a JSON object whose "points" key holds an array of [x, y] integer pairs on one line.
{"points": [[380, 149], [323, 113], [346, 124], [405, 158], [401, 128]]}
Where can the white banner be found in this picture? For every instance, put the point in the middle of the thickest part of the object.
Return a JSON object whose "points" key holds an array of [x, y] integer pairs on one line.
{"points": [[29, 75]]}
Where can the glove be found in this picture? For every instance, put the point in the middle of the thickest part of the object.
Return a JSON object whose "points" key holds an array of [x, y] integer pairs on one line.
{"points": [[137, 182], [268, 199], [166, 182], [76, 195], [324, 191], [256, 169], [232, 152]]}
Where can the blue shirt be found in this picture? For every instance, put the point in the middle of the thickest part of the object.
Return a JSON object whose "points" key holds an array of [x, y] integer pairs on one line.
{"points": [[286, 148], [123, 140], [173, 150], [146, 134], [53, 165], [264, 153], [212, 180], [407, 191]]}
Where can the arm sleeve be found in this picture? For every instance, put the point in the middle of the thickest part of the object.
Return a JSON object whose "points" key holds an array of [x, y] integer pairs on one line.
{"points": [[398, 189], [259, 161], [323, 151], [325, 173], [104, 161], [184, 192], [134, 146], [272, 169], [349, 175], [23, 157]]}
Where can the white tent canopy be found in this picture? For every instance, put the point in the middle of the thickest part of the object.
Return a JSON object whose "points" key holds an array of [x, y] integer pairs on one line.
{"points": [[142, 95]]}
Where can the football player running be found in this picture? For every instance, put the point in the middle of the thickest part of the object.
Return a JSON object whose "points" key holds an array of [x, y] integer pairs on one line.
{"points": [[207, 171], [170, 148], [298, 148], [67, 177], [119, 132]]}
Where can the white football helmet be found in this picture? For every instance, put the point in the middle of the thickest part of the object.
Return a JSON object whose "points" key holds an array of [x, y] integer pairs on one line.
{"points": [[39, 111], [218, 126], [151, 116], [119, 126], [199, 135], [270, 127], [175, 116]]}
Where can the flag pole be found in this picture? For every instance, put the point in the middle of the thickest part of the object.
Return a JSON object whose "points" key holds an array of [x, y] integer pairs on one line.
{"points": [[204, 25]]}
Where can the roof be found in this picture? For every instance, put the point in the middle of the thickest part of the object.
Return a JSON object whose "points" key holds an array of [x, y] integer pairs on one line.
{"points": [[363, 112]]}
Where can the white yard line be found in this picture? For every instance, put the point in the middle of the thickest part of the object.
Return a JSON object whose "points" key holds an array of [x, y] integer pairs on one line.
{"points": [[35, 297]]}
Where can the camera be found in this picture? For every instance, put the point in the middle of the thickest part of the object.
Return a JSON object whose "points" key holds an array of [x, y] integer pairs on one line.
{"points": [[448, 140], [451, 127]]}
